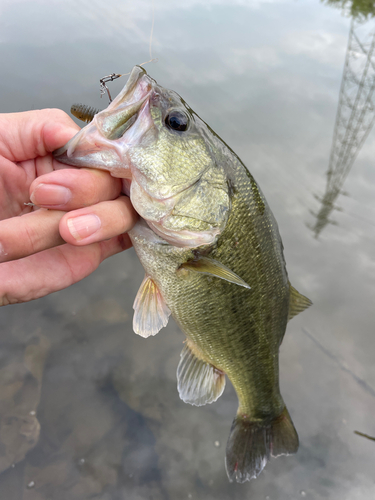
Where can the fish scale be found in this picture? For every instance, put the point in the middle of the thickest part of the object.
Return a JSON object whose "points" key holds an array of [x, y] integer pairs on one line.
{"points": [[226, 321]]}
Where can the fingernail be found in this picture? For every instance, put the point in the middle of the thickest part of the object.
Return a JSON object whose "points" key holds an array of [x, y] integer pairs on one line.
{"points": [[3, 253], [83, 226], [51, 195]]}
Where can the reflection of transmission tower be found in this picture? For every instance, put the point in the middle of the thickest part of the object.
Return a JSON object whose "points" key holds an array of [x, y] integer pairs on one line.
{"points": [[355, 115]]}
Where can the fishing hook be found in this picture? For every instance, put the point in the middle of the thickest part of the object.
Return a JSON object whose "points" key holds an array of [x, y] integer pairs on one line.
{"points": [[103, 86]]}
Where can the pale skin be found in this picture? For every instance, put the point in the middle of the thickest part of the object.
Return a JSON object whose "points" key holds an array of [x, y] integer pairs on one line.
{"points": [[43, 251]]}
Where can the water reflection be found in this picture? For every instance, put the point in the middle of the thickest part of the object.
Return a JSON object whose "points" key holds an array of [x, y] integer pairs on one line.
{"points": [[355, 116], [365, 435], [265, 75], [20, 390], [356, 8]]}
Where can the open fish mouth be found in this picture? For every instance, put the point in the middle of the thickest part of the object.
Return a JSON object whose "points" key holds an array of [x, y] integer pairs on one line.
{"points": [[105, 141]]}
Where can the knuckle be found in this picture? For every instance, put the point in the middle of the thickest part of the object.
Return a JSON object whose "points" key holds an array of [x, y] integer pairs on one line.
{"points": [[91, 188], [30, 239], [58, 114]]}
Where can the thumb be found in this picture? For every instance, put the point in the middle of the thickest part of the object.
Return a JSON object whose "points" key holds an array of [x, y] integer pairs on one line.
{"points": [[30, 134]]}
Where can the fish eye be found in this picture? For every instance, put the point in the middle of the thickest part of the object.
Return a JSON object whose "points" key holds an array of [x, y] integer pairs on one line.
{"points": [[177, 120]]}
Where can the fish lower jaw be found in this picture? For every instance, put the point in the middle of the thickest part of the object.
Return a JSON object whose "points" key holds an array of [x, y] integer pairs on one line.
{"points": [[184, 238]]}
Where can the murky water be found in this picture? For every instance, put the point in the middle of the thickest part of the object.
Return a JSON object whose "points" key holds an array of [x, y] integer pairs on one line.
{"points": [[90, 410]]}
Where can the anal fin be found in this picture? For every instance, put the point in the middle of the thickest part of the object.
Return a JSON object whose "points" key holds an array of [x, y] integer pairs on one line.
{"points": [[151, 313], [199, 382]]}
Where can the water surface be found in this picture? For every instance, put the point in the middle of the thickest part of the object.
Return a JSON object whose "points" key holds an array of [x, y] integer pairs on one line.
{"points": [[266, 76]]}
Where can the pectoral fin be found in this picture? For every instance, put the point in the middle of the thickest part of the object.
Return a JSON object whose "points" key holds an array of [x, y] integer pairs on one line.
{"points": [[150, 311], [211, 267], [199, 382], [297, 302]]}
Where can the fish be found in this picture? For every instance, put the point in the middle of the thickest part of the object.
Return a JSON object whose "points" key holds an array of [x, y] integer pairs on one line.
{"points": [[212, 255]]}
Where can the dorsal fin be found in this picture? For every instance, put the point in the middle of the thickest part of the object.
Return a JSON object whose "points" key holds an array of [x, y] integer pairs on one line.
{"points": [[199, 382], [297, 302], [205, 265], [150, 311]]}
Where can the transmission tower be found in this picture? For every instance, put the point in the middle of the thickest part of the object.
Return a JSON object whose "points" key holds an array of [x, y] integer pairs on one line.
{"points": [[355, 115]]}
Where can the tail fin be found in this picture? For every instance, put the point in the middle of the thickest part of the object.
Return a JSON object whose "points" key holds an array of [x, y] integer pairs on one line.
{"points": [[251, 444]]}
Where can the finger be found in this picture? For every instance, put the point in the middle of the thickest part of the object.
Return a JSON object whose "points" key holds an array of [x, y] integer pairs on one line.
{"points": [[54, 269], [98, 222], [71, 188], [29, 234], [30, 134]]}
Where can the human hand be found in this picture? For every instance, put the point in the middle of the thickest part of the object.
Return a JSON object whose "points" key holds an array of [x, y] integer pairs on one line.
{"points": [[43, 251]]}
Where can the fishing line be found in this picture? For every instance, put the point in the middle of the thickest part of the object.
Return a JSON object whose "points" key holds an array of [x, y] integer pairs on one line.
{"points": [[114, 76], [152, 26], [152, 59]]}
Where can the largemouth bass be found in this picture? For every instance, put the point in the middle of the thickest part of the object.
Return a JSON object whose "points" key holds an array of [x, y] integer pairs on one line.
{"points": [[212, 255]]}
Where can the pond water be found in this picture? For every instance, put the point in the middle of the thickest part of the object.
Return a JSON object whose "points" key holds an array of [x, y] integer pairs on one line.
{"points": [[265, 75]]}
